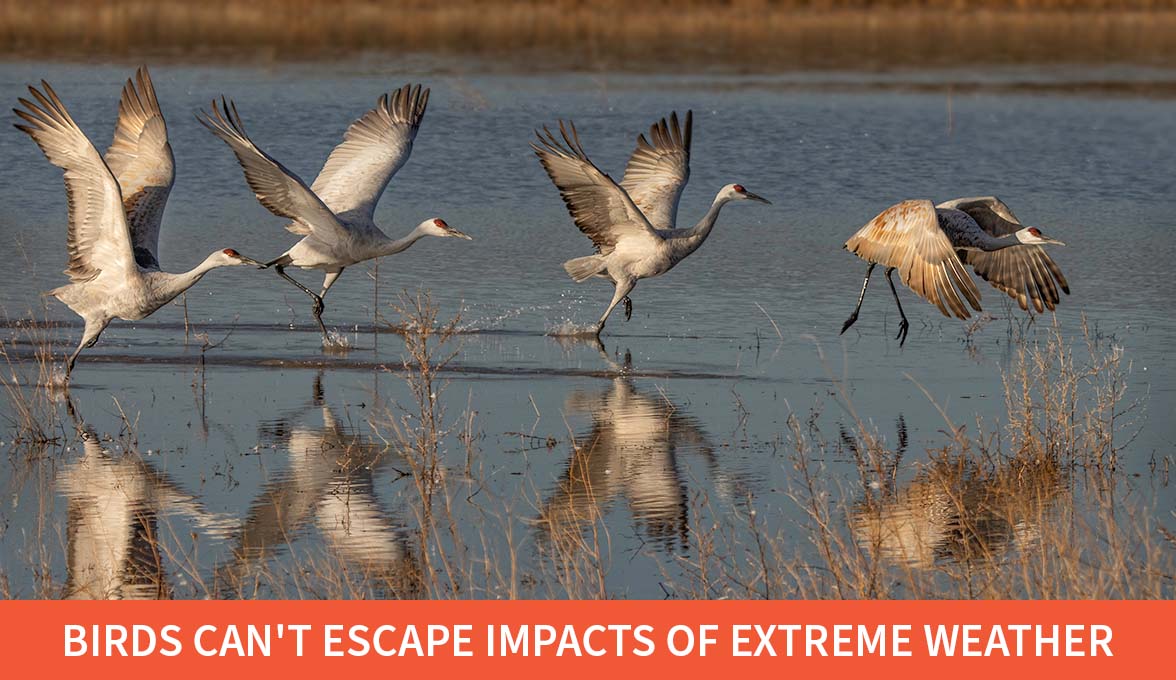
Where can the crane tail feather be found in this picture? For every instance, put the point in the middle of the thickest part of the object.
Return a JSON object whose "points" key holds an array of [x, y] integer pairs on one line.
{"points": [[583, 268]]}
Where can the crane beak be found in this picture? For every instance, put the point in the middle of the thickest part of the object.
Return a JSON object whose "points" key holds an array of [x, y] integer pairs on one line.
{"points": [[457, 234], [1054, 242], [250, 260], [756, 197]]}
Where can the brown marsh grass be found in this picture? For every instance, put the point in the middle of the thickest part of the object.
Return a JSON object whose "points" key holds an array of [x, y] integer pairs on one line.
{"points": [[751, 35], [1030, 508]]}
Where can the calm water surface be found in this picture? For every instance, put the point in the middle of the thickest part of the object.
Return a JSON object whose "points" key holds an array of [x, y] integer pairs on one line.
{"points": [[688, 400]]}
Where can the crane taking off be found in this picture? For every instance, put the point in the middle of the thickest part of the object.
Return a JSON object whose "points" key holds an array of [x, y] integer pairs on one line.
{"points": [[929, 246], [115, 209], [631, 224], [335, 215]]}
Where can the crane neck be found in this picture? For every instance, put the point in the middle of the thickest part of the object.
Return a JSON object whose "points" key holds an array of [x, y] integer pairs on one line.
{"points": [[391, 246], [991, 243], [966, 234], [697, 234], [980, 240], [170, 286]]}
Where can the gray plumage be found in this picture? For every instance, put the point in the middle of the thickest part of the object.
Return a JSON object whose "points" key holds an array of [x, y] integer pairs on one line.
{"points": [[335, 215], [929, 245], [630, 224], [373, 149], [140, 157], [1026, 273], [657, 171], [113, 275]]}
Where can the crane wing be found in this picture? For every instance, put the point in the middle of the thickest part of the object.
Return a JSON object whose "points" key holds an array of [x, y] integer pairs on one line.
{"points": [[373, 149], [98, 239], [658, 170], [141, 159], [1026, 272], [278, 189], [600, 208], [907, 237]]}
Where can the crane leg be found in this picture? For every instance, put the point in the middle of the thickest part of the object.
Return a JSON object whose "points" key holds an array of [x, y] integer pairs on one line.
{"points": [[320, 305], [903, 325], [865, 284], [318, 300], [73, 359], [624, 287], [89, 339]]}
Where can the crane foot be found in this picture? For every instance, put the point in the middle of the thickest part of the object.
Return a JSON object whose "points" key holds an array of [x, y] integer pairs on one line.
{"points": [[628, 308], [903, 326], [848, 322]]}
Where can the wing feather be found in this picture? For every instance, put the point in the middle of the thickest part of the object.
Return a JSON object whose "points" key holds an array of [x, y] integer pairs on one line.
{"points": [[98, 240], [907, 237], [276, 188], [659, 169], [141, 159], [373, 149], [1025, 273], [600, 207]]}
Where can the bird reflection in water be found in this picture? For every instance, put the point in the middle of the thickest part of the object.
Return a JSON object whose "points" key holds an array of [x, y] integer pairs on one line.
{"points": [[959, 510], [632, 451], [328, 490], [115, 547]]}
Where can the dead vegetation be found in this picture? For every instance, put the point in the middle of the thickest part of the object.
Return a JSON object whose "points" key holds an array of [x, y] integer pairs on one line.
{"points": [[759, 35], [1031, 508]]}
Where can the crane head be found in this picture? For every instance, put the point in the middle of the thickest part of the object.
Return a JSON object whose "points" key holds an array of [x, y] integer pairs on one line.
{"points": [[438, 227], [737, 192], [1033, 235], [231, 258]]}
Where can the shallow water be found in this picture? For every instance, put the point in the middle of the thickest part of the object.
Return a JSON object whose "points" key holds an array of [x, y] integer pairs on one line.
{"points": [[687, 400]]}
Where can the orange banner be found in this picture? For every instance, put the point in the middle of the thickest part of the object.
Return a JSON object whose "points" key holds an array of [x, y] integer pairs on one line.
{"points": [[583, 639]]}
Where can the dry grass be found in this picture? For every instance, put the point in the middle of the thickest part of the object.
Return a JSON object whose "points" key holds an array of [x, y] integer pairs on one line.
{"points": [[757, 35], [1034, 509], [31, 387]]}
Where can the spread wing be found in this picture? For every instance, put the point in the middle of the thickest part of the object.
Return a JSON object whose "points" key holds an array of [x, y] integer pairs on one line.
{"points": [[141, 159], [373, 149], [278, 189], [907, 237], [658, 170], [600, 208], [98, 240], [1026, 273]]}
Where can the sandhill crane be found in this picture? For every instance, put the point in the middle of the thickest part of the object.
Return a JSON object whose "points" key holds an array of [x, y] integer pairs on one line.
{"points": [[631, 224], [335, 214], [929, 245], [115, 209]]}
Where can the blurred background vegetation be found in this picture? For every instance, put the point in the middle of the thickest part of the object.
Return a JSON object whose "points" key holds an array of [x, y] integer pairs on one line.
{"points": [[665, 35]]}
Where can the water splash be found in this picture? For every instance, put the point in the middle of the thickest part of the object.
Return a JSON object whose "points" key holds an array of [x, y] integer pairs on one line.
{"points": [[58, 379], [494, 320], [570, 329], [336, 342]]}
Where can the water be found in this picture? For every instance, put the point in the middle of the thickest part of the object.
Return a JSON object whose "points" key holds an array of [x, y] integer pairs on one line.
{"points": [[274, 454]]}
